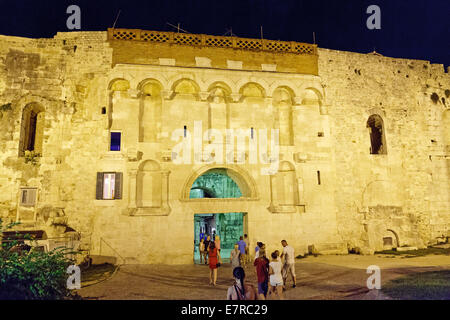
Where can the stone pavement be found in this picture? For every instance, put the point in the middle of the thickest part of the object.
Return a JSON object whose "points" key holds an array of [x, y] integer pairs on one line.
{"points": [[323, 277]]}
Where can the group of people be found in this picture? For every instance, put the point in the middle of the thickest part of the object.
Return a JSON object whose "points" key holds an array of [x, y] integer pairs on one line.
{"points": [[272, 274]]}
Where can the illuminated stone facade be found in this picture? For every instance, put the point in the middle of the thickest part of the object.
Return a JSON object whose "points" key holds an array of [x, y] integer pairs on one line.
{"points": [[364, 142]]}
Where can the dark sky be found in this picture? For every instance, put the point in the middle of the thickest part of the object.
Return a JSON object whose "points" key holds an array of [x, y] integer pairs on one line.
{"points": [[417, 29]]}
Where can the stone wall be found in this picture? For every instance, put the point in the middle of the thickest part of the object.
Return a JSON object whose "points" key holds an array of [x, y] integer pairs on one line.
{"points": [[413, 176], [86, 94]]}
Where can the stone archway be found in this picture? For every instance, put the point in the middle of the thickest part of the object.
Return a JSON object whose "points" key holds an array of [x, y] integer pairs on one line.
{"points": [[243, 180], [218, 197]]}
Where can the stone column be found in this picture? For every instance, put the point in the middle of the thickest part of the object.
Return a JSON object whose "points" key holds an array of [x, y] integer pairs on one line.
{"points": [[165, 191], [132, 179]]}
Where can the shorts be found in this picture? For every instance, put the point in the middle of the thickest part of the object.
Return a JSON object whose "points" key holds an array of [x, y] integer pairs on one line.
{"points": [[275, 282], [263, 288], [288, 268]]}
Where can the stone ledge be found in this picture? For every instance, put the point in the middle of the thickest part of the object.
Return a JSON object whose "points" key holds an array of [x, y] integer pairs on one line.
{"points": [[148, 211]]}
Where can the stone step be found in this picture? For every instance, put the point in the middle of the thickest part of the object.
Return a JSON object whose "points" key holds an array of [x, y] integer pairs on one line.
{"points": [[402, 249], [96, 260]]}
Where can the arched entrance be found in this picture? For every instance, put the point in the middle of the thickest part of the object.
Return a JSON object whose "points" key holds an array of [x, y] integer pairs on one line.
{"points": [[229, 226]]}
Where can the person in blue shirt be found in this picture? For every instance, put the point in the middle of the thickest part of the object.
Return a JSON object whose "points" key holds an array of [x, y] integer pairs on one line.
{"points": [[242, 249]]}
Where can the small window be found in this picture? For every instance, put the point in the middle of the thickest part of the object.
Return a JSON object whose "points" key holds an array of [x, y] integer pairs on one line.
{"points": [[109, 185], [253, 133], [185, 131], [116, 138], [28, 197], [387, 241], [319, 181], [103, 110], [32, 129], [320, 134], [377, 135]]}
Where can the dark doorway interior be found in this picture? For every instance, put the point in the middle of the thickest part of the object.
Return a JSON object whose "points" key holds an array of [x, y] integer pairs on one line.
{"points": [[228, 226]]}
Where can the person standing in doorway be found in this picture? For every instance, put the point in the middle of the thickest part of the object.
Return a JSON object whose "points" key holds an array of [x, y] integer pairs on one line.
{"points": [[242, 249], [212, 253], [217, 243], [201, 249], [247, 248], [289, 262], [207, 243], [262, 272]]}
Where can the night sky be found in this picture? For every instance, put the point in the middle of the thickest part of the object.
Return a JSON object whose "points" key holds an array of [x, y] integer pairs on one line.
{"points": [[417, 29]]}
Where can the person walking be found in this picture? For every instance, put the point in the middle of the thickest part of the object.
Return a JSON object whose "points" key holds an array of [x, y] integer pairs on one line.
{"points": [[217, 243], [259, 245], [212, 264], [242, 249], [201, 249], [275, 277], [240, 290], [289, 263], [207, 242], [247, 248], [235, 257], [262, 272]]}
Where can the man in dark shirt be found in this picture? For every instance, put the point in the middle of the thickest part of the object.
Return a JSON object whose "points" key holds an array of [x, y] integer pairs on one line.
{"points": [[207, 242], [262, 272]]}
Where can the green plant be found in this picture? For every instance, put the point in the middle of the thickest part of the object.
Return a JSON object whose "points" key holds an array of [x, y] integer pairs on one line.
{"points": [[32, 157], [29, 274], [432, 285]]}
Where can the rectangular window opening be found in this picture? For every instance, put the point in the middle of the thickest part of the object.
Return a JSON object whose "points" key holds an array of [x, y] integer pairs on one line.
{"points": [[28, 197], [319, 182], [185, 131], [116, 138], [109, 184]]}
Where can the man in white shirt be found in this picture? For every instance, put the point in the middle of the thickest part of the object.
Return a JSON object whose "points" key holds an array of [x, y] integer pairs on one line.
{"points": [[289, 262]]}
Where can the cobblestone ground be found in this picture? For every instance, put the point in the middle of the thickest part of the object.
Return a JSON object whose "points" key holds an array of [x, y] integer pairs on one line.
{"points": [[327, 277]]}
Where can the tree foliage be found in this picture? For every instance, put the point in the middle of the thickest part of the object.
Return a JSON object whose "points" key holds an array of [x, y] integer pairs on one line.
{"points": [[29, 274]]}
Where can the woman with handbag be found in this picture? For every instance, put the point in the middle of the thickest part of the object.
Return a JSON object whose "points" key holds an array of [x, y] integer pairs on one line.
{"points": [[213, 263]]}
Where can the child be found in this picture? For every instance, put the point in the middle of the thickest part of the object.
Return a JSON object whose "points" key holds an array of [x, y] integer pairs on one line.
{"points": [[276, 279]]}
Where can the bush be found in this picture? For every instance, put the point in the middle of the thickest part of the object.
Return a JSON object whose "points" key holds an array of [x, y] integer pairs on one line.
{"points": [[32, 275]]}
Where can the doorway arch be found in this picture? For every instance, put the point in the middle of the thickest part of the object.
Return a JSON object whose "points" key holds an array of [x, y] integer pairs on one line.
{"points": [[245, 183], [218, 197]]}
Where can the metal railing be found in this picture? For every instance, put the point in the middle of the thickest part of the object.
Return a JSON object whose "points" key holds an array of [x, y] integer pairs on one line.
{"points": [[203, 40]]}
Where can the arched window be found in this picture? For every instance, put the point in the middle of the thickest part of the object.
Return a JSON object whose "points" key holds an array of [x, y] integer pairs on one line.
{"points": [[32, 129], [377, 135]]}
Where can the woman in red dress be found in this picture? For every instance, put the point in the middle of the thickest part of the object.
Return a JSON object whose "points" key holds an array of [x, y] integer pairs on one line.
{"points": [[212, 263]]}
